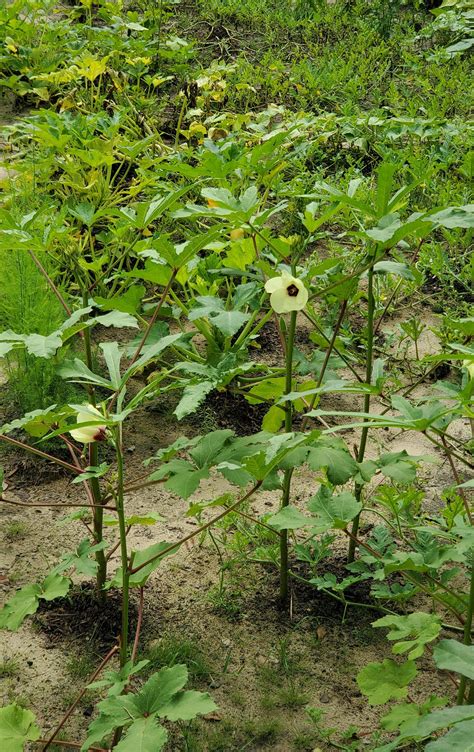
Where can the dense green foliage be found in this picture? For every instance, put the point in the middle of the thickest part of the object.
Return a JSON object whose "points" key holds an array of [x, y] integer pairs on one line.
{"points": [[178, 178]]}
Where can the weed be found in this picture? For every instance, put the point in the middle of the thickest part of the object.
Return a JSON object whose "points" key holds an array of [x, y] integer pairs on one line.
{"points": [[82, 665], [226, 602], [15, 530], [9, 667], [170, 650]]}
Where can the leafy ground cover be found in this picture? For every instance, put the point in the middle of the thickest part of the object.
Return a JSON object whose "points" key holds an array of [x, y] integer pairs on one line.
{"points": [[236, 373]]}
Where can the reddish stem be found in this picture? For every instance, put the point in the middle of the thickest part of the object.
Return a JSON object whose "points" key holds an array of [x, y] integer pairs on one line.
{"points": [[139, 626], [79, 698]]}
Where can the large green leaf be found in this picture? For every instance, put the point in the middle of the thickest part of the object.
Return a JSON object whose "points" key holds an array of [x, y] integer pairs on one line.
{"points": [[381, 682], [437, 720], [454, 216], [458, 739], [54, 586], [140, 557], [193, 396], [404, 714], [333, 512], [152, 351], [336, 460], [117, 319], [144, 735], [420, 626], [289, 518], [43, 347], [115, 712], [77, 370], [129, 302], [24, 602], [452, 655], [229, 322], [187, 705], [112, 357], [160, 688], [183, 477], [17, 726], [398, 466], [208, 447]]}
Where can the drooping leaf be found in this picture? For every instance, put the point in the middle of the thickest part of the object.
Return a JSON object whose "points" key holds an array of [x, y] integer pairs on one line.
{"points": [[273, 419]]}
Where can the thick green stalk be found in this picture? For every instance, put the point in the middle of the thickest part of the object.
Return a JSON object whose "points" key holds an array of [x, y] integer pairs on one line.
{"points": [[467, 638], [98, 522], [365, 430], [123, 550], [97, 512], [288, 473]]}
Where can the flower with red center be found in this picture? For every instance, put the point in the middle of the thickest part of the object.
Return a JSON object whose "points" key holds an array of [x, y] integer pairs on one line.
{"points": [[88, 434]]}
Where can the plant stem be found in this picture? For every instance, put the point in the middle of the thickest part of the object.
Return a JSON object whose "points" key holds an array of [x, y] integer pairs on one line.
{"points": [[365, 429], [70, 710], [332, 342], [154, 317], [39, 453], [50, 282], [123, 549], [70, 745], [289, 472], [98, 518], [467, 636], [55, 505], [97, 511], [139, 626], [458, 481], [201, 529]]}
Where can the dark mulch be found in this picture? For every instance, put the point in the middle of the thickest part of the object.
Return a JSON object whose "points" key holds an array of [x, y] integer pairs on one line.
{"points": [[82, 616]]}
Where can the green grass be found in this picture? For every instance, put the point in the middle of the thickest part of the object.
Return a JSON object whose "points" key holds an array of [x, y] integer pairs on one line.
{"points": [[82, 665], [15, 530], [9, 667], [28, 306], [170, 650]]}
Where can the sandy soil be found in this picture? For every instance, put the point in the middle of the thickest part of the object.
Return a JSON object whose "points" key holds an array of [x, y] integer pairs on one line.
{"points": [[243, 642]]}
